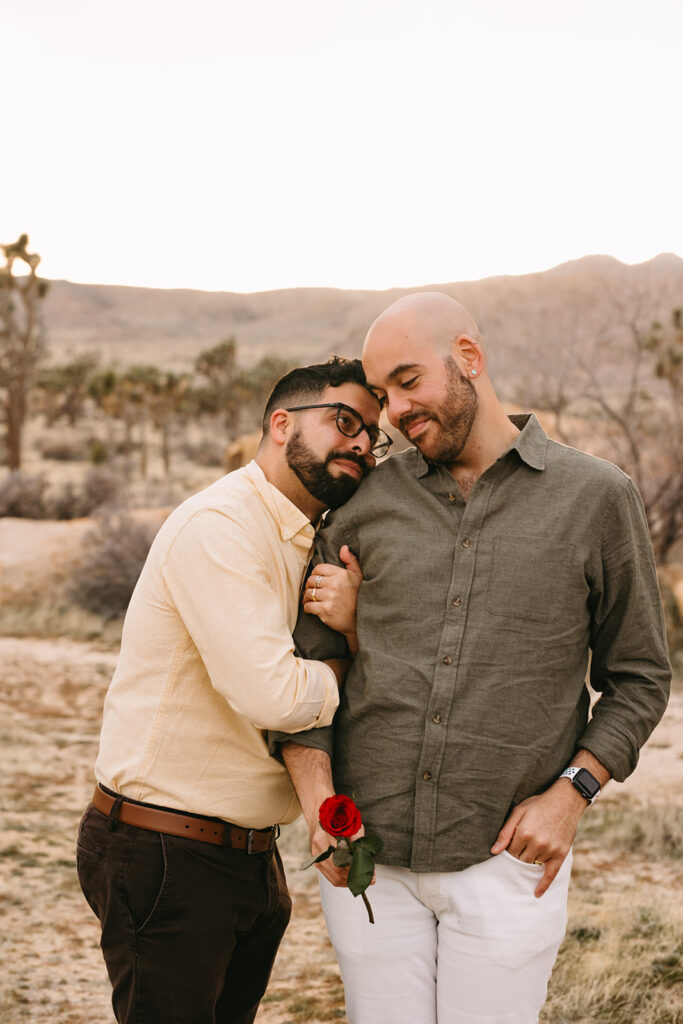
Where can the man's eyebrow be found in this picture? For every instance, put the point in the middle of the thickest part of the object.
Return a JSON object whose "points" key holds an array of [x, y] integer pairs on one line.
{"points": [[398, 370]]}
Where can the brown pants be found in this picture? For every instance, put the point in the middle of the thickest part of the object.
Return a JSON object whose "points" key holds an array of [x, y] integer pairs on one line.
{"points": [[189, 930]]}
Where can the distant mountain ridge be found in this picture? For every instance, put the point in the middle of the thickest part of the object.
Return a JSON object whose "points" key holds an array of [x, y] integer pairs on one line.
{"points": [[575, 300]]}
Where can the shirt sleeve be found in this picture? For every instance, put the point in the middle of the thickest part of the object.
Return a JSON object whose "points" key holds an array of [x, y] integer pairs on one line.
{"points": [[220, 582], [629, 665], [316, 640]]}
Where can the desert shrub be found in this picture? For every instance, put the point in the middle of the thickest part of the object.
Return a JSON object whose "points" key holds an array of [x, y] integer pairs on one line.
{"points": [[65, 503], [63, 450], [125, 446], [204, 453], [113, 557], [26, 495], [99, 452], [100, 488], [23, 495]]}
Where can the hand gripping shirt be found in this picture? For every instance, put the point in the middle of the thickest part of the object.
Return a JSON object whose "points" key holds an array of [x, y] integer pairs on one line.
{"points": [[207, 660], [475, 624]]}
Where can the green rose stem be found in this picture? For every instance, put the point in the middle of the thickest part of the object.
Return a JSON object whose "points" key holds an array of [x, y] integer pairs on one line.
{"points": [[366, 901]]}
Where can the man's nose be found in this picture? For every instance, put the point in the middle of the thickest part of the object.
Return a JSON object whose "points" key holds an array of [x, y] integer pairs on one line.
{"points": [[396, 407], [361, 442]]}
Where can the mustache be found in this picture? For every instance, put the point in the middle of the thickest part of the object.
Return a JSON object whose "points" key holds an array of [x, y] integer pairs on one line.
{"points": [[349, 457], [405, 421]]}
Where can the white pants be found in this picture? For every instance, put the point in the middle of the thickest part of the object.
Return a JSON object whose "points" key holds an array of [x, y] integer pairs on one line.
{"points": [[449, 948]]}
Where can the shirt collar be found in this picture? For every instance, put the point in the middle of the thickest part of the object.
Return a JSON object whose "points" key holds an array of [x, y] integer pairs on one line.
{"points": [[532, 441], [290, 520], [530, 444]]}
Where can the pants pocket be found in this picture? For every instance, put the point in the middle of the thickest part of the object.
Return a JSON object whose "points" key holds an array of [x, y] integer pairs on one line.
{"points": [[88, 846], [535, 926], [145, 881], [526, 872], [90, 860]]}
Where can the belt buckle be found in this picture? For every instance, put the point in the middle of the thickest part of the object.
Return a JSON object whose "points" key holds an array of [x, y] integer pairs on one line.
{"points": [[253, 831]]}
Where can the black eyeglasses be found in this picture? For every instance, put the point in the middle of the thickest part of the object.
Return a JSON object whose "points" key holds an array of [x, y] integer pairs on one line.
{"points": [[350, 424]]}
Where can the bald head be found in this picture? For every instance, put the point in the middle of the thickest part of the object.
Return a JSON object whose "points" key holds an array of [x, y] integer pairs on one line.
{"points": [[429, 319], [427, 328], [424, 358]]}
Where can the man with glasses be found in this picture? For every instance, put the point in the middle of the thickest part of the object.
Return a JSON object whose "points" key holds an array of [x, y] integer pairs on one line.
{"points": [[496, 561], [176, 853]]}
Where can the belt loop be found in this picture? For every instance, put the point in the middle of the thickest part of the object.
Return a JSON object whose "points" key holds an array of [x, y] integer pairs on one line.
{"points": [[114, 813]]}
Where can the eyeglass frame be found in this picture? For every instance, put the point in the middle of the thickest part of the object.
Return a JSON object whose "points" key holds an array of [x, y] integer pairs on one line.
{"points": [[386, 443]]}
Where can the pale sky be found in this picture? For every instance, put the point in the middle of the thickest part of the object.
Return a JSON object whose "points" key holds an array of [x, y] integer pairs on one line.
{"points": [[263, 144]]}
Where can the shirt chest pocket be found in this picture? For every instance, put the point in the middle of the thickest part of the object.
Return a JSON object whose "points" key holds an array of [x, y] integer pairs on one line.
{"points": [[533, 578]]}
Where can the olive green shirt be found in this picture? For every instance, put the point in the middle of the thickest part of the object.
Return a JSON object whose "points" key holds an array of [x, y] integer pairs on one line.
{"points": [[475, 624]]}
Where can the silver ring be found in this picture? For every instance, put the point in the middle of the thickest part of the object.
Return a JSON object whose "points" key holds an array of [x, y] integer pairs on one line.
{"points": [[317, 580], [313, 597]]}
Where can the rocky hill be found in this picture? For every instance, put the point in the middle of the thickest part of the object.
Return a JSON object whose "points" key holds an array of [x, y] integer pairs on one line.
{"points": [[576, 303]]}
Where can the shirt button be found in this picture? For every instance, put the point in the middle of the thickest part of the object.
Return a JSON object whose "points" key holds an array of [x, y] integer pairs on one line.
{"points": [[436, 719], [451, 497], [457, 602], [447, 660], [466, 543], [426, 776]]}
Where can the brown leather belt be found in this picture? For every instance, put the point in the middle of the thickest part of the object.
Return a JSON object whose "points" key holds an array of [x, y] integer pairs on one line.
{"points": [[175, 823]]}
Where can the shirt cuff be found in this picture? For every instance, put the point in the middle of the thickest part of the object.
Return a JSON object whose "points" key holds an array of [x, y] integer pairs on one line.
{"points": [[331, 701], [615, 752]]}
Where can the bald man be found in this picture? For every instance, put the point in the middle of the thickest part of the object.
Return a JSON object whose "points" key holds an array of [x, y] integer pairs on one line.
{"points": [[495, 562]]}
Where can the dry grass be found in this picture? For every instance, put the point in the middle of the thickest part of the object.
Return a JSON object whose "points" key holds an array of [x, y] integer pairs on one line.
{"points": [[58, 619], [622, 960], [654, 831]]}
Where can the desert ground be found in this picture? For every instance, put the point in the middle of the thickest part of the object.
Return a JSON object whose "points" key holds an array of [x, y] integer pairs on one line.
{"points": [[622, 959]]}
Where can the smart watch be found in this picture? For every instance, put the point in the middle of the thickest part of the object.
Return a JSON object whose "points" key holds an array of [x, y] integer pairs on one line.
{"points": [[583, 780]]}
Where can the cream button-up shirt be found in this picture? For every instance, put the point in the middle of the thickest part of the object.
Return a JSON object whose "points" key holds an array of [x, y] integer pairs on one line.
{"points": [[207, 661]]}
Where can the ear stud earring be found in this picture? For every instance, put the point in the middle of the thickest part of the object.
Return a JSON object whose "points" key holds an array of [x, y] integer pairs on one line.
{"points": [[473, 372]]}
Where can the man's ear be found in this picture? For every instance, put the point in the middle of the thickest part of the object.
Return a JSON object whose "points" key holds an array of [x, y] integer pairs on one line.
{"points": [[468, 354], [280, 426]]}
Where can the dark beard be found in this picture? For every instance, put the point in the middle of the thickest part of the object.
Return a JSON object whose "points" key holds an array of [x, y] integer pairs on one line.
{"points": [[331, 491], [454, 416]]}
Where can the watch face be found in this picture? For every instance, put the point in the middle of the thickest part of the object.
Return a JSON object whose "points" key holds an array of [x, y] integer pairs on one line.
{"points": [[586, 783]]}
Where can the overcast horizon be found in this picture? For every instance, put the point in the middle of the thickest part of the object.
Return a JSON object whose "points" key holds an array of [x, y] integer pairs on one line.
{"points": [[397, 144]]}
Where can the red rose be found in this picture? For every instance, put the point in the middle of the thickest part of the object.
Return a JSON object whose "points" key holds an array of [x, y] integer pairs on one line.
{"points": [[339, 816]]}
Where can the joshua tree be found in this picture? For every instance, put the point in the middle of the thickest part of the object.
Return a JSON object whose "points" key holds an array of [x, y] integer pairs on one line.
{"points": [[22, 343], [218, 366], [65, 388], [255, 384], [168, 398]]}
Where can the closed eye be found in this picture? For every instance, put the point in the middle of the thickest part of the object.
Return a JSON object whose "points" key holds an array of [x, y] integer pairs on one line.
{"points": [[408, 383]]}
